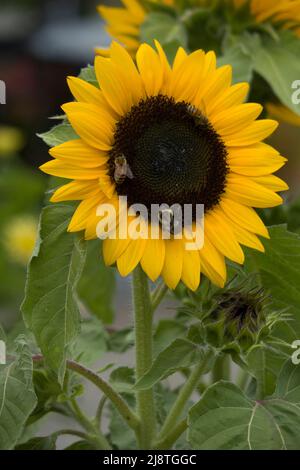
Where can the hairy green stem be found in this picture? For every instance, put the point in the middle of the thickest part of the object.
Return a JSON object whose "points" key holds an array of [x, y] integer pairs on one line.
{"points": [[71, 432], [143, 351], [120, 404], [169, 440], [99, 412], [96, 438], [116, 399], [184, 395]]}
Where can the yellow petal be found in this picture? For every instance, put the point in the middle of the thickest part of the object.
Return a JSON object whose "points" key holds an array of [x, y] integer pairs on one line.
{"points": [[210, 256], [244, 216], [76, 152], [271, 182], [113, 249], [233, 96], [244, 236], [180, 56], [191, 269], [95, 128], [76, 190], [235, 119], [249, 152], [65, 170], [150, 69], [163, 60], [247, 238], [214, 86], [221, 235], [255, 160], [185, 79], [106, 185], [122, 59], [210, 63], [172, 269], [131, 257], [85, 92], [153, 258], [246, 191], [114, 89], [93, 110], [121, 87], [83, 212], [255, 132], [212, 264]]}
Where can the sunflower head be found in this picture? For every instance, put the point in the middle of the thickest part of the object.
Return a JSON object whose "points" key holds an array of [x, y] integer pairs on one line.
{"points": [[282, 13], [239, 318], [124, 23], [165, 135]]}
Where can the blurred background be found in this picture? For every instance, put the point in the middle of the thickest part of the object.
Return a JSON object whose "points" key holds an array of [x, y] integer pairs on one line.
{"points": [[41, 42]]}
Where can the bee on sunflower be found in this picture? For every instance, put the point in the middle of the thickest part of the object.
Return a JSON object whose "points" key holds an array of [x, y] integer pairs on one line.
{"points": [[143, 113]]}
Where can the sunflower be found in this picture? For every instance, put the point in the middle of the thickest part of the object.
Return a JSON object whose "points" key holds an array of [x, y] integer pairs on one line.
{"points": [[124, 23], [188, 138], [282, 12]]}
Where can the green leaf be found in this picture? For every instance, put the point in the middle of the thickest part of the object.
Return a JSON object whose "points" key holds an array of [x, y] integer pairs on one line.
{"points": [[120, 435], [122, 379], [91, 344], [167, 29], [88, 74], [80, 445], [96, 287], [279, 273], [278, 64], [59, 134], [293, 216], [47, 390], [264, 364], [288, 384], [179, 354], [166, 331], [225, 419], [241, 61], [122, 340], [39, 443], [50, 309], [17, 397]]}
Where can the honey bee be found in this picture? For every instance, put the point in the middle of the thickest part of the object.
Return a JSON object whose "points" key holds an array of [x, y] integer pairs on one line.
{"points": [[122, 170], [168, 222], [195, 113], [192, 109]]}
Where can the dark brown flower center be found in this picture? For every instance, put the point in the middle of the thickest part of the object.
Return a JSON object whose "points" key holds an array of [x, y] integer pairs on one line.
{"points": [[174, 155]]}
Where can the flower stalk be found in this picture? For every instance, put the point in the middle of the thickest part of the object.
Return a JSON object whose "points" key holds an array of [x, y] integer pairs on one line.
{"points": [[182, 399], [143, 314]]}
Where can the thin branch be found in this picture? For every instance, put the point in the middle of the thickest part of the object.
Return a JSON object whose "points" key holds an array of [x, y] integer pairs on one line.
{"points": [[99, 411], [158, 294], [169, 440], [117, 400]]}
